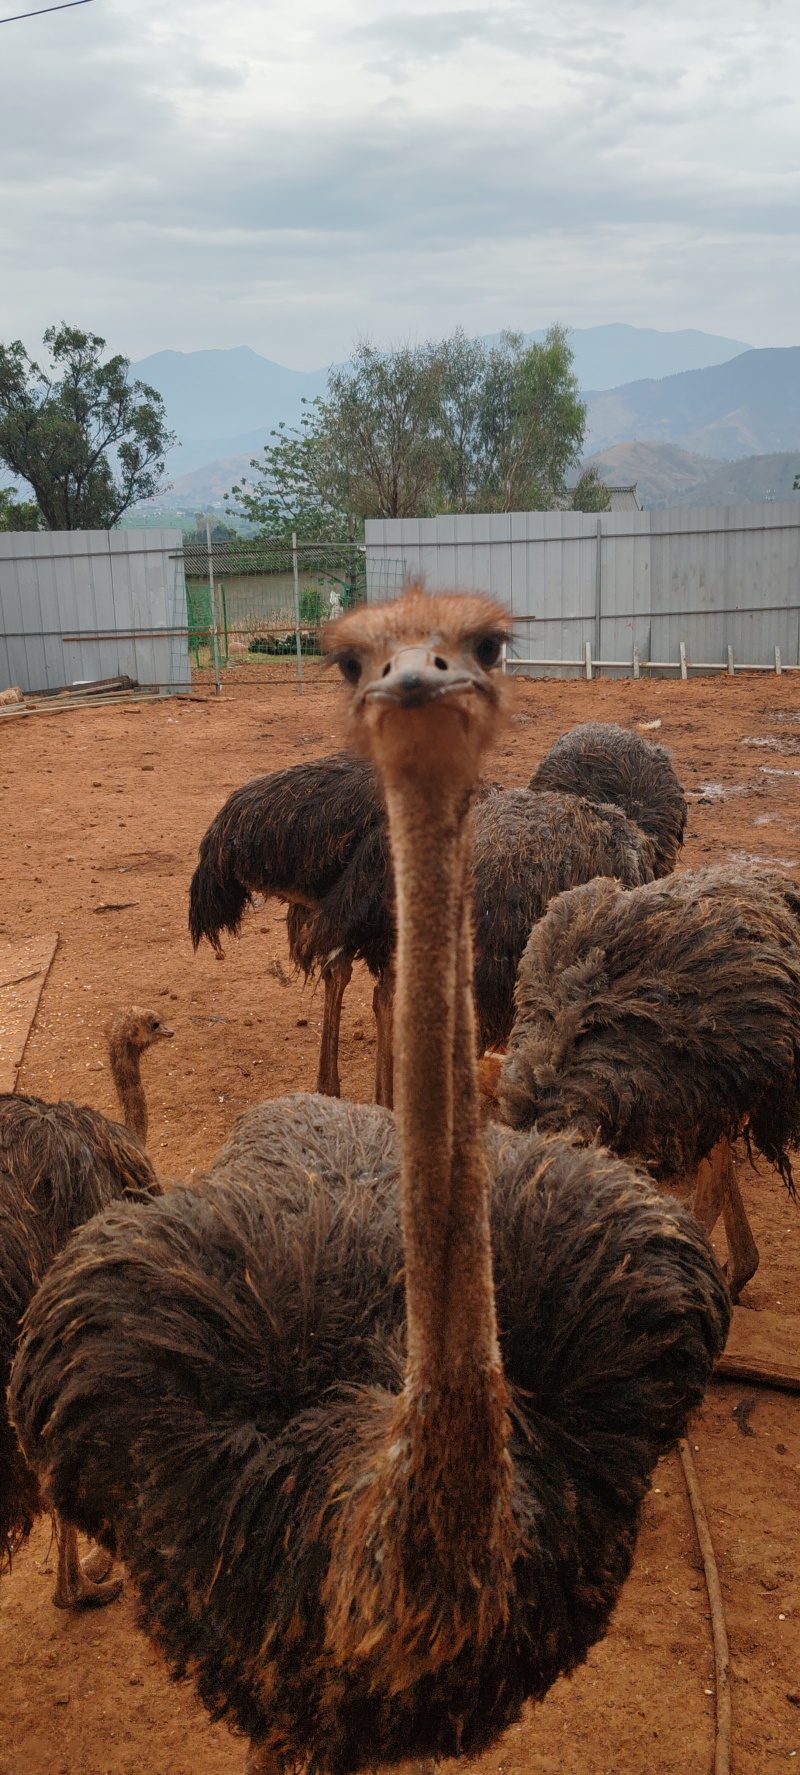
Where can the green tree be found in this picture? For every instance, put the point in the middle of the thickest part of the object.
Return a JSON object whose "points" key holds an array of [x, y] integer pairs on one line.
{"points": [[89, 442], [591, 494], [18, 514], [533, 424], [453, 426], [293, 488]]}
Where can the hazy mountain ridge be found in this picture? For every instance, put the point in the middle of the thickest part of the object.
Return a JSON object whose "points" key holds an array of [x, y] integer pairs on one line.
{"points": [[226, 402], [748, 406], [666, 475]]}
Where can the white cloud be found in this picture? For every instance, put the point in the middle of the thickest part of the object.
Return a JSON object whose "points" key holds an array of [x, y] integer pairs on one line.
{"points": [[285, 177]]}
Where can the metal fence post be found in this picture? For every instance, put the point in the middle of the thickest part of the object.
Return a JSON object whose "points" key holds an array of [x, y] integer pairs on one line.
{"points": [[636, 671], [297, 614], [214, 625], [730, 661], [598, 590], [684, 668], [588, 654], [777, 662]]}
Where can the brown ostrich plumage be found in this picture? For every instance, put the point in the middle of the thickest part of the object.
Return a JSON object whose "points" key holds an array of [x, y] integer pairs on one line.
{"points": [[314, 836], [604, 762], [526, 848], [380, 1399], [665, 1020], [60, 1164]]}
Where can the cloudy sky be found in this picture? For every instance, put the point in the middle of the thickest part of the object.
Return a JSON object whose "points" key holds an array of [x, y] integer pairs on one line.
{"points": [[289, 175]]}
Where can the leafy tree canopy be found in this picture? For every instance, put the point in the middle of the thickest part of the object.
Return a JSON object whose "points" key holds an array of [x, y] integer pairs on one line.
{"points": [[450, 426], [89, 442], [18, 514]]}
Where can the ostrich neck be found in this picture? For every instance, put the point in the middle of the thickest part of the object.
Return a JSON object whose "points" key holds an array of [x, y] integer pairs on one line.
{"points": [[451, 1323], [126, 1069]]}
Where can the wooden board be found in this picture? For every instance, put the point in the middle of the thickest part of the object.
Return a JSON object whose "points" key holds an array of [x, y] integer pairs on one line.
{"points": [[24, 967], [763, 1348]]}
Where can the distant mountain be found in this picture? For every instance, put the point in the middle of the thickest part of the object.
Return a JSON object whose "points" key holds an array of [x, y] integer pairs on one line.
{"points": [[749, 406], [665, 475], [223, 403], [662, 472], [617, 353]]}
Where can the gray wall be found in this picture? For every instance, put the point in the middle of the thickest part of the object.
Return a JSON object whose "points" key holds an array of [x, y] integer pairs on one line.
{"points": [[712, 577], [89, 604]]}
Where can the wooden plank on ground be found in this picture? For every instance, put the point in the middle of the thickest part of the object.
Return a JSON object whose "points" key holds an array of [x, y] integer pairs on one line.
{"points": [[24, 967], [763, 1348]]}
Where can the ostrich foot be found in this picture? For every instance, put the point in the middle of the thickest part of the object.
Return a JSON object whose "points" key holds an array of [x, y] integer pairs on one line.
{"points": [[97, 1564], [75, 1588]]}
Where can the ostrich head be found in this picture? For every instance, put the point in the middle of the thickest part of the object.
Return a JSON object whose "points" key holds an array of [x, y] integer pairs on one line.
{"points": [[423, 673], [136, 1030]]}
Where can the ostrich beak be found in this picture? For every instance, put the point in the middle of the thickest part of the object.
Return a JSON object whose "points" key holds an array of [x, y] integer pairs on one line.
{"points": [[417, 676]]}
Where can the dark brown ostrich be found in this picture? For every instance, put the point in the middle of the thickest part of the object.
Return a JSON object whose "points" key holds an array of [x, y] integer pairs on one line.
{"points": [[604, 762], [59, 1165], [526, 848], [666, 1019], [376, 1453], [313, 835]]}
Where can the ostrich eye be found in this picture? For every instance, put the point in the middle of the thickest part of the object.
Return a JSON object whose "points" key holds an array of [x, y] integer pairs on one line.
{"points": [[488, 650], [350, 667]]}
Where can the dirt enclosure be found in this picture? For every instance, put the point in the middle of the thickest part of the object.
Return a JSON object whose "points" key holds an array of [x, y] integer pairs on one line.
{"points": [[104, 809]]}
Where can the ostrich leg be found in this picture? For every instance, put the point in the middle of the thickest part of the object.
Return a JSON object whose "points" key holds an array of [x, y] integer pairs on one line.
{"points": [[742, 1248], [717, 1192], [75, 1589], [709, 1192], [383, 1008], [337, 977]]}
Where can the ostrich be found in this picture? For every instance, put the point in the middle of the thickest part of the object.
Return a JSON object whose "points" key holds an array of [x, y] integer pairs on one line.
{"points": [[375, 1447], [59, 1165], [313, 835], [316, 834], [526, 847], [604, 762], [667, 1019]]}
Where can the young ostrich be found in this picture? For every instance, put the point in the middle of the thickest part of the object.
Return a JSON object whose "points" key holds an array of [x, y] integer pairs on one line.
{"points": [[313, 835], [377, 1465], [604, 762], [59, 1165], [667, 1019]]}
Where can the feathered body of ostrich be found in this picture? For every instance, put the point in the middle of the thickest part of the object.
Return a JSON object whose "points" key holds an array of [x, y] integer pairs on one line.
{"points": [[526, 848], [378, 1421], [317, 835], [662, 1018], [313, 835], [604, 762], [60, 1163]]}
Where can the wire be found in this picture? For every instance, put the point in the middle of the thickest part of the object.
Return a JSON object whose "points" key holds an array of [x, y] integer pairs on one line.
{"points": [[65, 5]]}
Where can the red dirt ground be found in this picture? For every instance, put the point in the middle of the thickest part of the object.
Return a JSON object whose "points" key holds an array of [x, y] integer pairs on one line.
{"points": [[108, 806]]}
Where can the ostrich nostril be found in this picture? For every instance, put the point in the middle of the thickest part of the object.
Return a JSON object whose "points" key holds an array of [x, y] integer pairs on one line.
{"points": [[441, 663], [387, 669]]}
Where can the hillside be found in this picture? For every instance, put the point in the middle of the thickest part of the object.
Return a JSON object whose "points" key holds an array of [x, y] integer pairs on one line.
{"points": [[225, 403], [666, 475], [748, 406]]}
